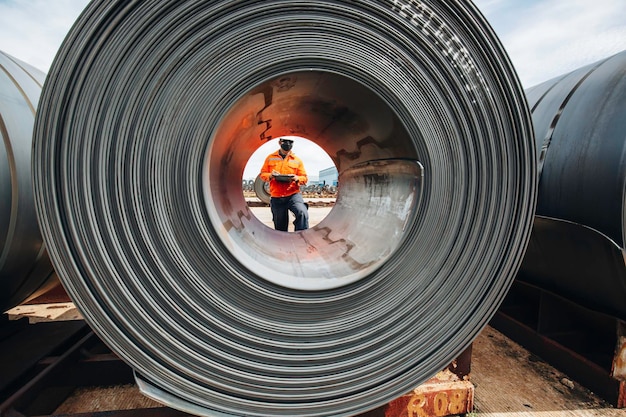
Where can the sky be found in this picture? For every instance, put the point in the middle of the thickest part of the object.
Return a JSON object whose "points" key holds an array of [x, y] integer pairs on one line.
{"points": [[543, 38]]}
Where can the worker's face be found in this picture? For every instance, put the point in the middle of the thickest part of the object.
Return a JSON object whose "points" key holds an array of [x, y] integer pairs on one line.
{"points": [[286, 145]]}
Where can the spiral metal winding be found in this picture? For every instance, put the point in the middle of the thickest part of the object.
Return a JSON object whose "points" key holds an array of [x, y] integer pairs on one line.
{"points": [[149, 115]]}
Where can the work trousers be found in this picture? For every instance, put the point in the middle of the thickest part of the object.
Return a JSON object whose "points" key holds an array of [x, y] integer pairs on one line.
{"points": [[280, 214]]}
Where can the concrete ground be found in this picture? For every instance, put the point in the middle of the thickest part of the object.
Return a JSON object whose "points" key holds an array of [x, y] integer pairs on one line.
{"points": [[316, 215]]}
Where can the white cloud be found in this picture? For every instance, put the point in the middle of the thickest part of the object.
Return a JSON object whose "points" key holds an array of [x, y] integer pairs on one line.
{"points": [[33, 30], [549, 38], [489, 7]]}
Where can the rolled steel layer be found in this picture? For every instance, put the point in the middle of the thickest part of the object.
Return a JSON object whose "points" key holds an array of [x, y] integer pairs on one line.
{"points": [[261, 190], [148, 117], [580, 129], [24, 263], [578, 263]]}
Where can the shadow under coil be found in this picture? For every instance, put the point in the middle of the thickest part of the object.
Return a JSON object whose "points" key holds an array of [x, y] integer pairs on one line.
{"points": [[149, 116]]}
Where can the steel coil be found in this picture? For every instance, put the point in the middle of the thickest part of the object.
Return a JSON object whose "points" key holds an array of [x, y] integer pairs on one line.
{"points": [[577, 243], [578, 263], [25, 267], [579, 128], [262, 190], [149, 114]]}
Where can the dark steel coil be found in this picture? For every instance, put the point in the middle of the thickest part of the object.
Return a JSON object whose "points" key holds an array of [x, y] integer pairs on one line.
{"points": [[25, 267], [578, 263], [261, 190], [580, 129], [149, 114]]}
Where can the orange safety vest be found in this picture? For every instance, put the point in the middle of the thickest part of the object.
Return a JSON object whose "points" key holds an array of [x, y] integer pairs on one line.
{"points": [[291, 164]]}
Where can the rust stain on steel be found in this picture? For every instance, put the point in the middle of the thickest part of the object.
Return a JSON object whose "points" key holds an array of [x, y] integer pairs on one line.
{"points": [[621, 396], [443, 395], [398, 407], [356, 154], [619, 362], [619, 359], [462, 365], [441, 399]]}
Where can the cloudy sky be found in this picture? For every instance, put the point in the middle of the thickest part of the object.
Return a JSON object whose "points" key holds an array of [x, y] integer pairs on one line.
{"points": [[544, 39]]}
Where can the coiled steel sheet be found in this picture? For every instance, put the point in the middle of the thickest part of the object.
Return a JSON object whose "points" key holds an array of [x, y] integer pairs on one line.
{"points": [[25, 266], [580, 128], [261, 190], [149, 115]]}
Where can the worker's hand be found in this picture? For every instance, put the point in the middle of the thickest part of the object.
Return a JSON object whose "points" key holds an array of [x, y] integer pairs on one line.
{"points": [[274, 173]]}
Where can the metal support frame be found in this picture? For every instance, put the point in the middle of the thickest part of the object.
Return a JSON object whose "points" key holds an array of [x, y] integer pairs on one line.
{"points": [[44, 363], [588, 346]]}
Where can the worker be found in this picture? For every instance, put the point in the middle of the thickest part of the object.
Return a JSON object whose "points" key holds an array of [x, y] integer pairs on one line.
{"points": [[285, 172]]}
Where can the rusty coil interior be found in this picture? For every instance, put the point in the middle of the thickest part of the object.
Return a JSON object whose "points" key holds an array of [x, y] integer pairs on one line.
{"points": [[148, 117]]}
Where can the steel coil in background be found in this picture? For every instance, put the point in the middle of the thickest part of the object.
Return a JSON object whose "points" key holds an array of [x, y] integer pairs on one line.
{"points": [[578, 263], [25, 267], [261, 190], [580, 129], [148, 117]]}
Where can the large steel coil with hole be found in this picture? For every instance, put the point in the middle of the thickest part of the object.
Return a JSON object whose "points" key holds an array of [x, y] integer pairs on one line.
{"points": [[261, 190], [577, 245], [25, 267], [149, 114]]}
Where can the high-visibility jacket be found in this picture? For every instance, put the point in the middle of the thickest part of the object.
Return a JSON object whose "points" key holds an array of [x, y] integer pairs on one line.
{"points": [[291, 164]]}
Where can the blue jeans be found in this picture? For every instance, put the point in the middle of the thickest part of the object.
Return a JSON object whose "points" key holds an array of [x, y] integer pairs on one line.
{"points": [[280, 215]]}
